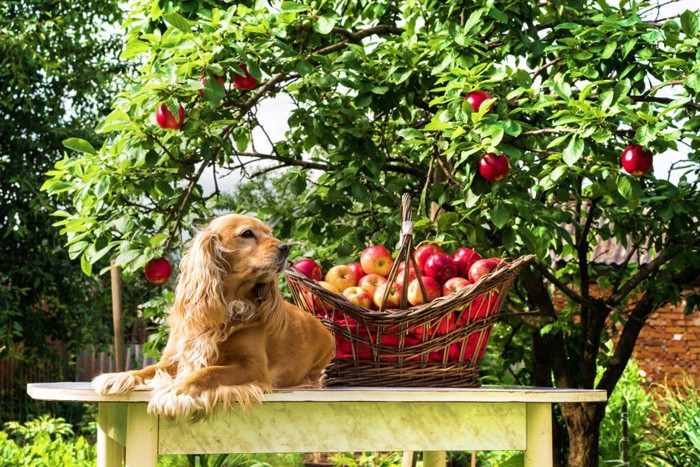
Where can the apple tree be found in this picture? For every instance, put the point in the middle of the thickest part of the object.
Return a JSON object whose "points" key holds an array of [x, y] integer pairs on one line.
{"points": [[376, 96]]}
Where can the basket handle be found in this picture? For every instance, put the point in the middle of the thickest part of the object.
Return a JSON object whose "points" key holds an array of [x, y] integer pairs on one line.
{"points": [[405, 254]]}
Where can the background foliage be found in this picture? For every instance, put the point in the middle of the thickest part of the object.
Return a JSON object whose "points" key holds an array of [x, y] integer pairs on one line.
{"points": [[378, 109]]}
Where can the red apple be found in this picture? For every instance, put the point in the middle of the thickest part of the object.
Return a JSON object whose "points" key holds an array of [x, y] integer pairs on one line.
{"points": [[440, 267], [477, 98], [454, 284], [371, 282], [411, 273], [309, 268], [636, 160], [424, 252], [393, 300], [341, 276], [357, 269], [415, 296], [376, 260], [465, 257], [482, 267], [246, 81], [166, 119], [359, 296], [203, 80], [492, 167], [158, 270]]}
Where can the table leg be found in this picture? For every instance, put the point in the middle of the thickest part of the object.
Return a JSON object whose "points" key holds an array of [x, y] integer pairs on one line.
{"points": [[434, 459], [110, 453], [141, 437], [539, 435]]}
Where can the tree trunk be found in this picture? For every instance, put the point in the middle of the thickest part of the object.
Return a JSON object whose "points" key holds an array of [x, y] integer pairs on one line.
{"points": [[583, 426]]}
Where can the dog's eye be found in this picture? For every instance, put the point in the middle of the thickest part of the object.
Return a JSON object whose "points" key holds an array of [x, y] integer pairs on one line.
{"points": [[247, 234]]}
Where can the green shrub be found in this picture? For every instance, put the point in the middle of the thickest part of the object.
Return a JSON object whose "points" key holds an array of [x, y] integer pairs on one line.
{"points": [[629, 391], [44, 442], [675, 431]]}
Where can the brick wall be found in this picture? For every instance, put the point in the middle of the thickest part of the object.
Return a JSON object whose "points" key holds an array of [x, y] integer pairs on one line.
{"points": [[669, 346]]}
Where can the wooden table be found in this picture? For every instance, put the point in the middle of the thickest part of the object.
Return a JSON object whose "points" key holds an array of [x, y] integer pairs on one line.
{"points": [[432, 420]]}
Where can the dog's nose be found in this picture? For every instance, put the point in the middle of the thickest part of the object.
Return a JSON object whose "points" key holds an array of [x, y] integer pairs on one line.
{"points": [[283, 248]]}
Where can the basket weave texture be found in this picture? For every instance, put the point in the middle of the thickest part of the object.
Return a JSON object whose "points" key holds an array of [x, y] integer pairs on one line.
{"points": [[437, 344]]}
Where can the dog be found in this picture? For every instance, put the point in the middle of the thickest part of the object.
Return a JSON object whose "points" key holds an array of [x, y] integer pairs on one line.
{"points": [[232, 336]]}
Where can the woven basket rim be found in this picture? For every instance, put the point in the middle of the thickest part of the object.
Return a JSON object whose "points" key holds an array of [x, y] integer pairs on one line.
{"points": [[466, 294]]}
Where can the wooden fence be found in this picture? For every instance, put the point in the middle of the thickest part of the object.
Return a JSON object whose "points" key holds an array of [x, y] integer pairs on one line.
{"points": [[88, 364]]}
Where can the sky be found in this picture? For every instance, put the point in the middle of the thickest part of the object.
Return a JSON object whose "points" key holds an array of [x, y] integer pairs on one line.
{"points": [[273, 114]]}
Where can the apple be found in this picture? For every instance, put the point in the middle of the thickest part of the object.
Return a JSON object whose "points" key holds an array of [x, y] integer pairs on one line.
{"points": [[359, 296], [482, 267], [414, 294], [376, 260], [203, 80], [357, 269], [393, 300], [492, 167], [411, 273], [477, 98], [465, 257], [341, 276], [440, 267], [371, 282], [424, 252], [309, 268], [158, 270], [636, 160], [166, 119], [246, 81], [454, 284]]}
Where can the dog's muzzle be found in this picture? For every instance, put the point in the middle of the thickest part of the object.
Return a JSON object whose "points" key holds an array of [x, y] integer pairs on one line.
{"points": [[282, 254]]}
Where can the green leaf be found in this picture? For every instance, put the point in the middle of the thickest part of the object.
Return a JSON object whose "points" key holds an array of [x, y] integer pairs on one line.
{"points": [[689, 23], [645, 135], [134, 48], [573, 151], [523, 78], [174, 19], [609, 50], [512, 128], [102, 187], [297, 184], [293, 7], [629, 188], [80, 145], [499, 215], [447, 221], [693, 82], [324, 25], [85, 265], [474, 19]]}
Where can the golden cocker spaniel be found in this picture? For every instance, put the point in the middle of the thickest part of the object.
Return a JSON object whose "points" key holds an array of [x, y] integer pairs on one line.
{"points": [[232, 336]]}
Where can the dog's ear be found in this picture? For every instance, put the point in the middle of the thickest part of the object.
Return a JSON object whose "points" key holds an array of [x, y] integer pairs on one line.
{"points": [[199, 295]]}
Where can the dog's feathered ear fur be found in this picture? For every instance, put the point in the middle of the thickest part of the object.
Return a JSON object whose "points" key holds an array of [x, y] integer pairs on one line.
{"points": [[199, 295]]}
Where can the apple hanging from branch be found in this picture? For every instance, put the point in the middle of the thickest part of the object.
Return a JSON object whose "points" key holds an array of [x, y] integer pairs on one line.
{"points": [[636, 160], [158, 270], [203, 80], [492, 167], [244, 82], [166, 119], [477, 98]]}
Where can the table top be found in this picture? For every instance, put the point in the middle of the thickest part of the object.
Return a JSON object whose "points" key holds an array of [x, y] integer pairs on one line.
{"points": [[83, 392]]}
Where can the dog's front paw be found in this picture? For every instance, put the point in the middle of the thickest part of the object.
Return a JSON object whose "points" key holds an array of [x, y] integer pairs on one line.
{"points": [[115, 383], [173, 404]]}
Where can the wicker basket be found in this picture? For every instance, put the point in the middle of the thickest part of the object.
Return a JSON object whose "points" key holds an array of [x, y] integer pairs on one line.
{"points": [[437, 344]]}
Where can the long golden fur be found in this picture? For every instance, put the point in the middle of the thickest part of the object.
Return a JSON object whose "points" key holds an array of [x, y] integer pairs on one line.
{"points": [[232, 336]]}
